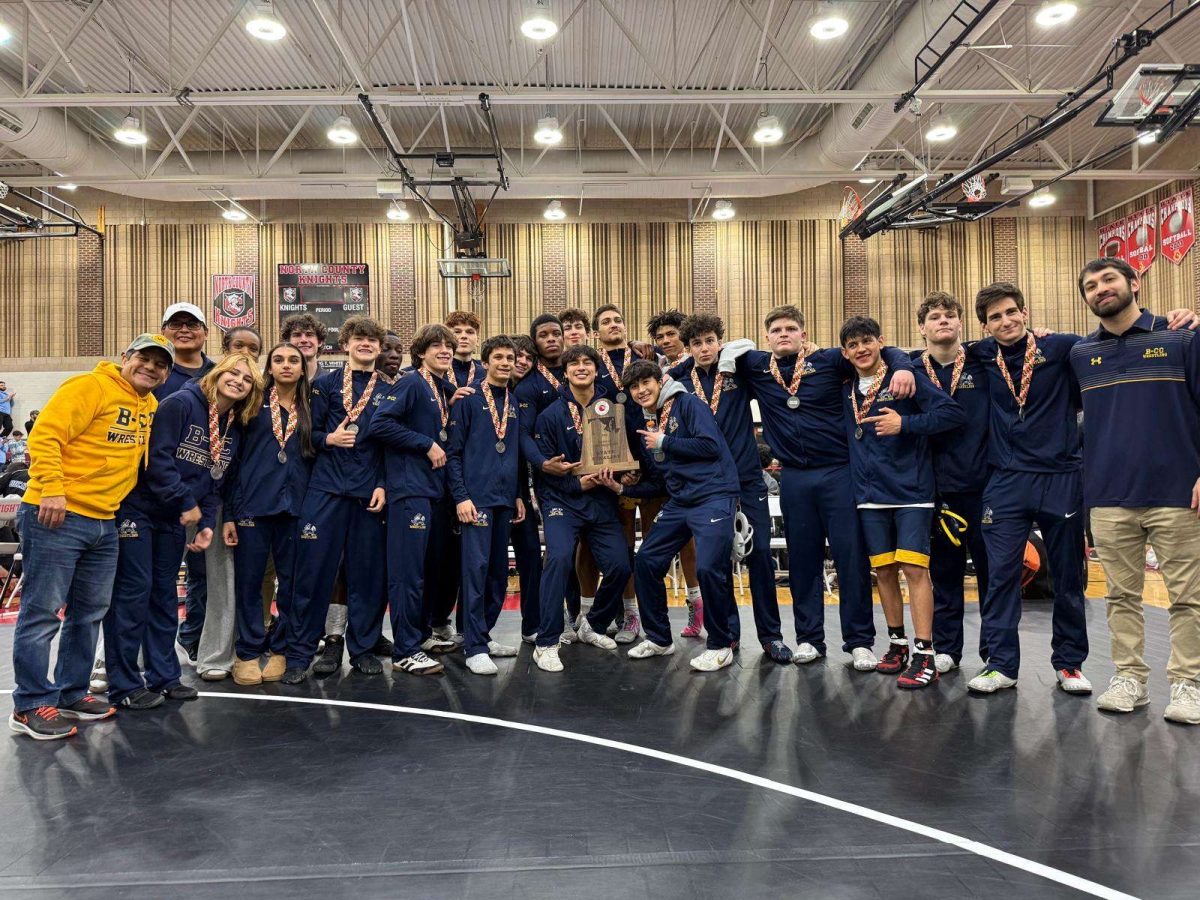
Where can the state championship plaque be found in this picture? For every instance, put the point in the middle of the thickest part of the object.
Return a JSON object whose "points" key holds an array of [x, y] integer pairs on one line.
{"points": [[605, 445]]}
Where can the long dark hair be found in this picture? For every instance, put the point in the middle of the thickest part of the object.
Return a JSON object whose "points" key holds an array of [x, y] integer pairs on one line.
{"points": [[303, 409]]}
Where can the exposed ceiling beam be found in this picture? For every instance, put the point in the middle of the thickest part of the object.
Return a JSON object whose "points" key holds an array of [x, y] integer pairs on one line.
{"points": [[287, 141], [637, 45], [200, 57], [624, 140], [342, 44], [174, 143], [61, 51]]}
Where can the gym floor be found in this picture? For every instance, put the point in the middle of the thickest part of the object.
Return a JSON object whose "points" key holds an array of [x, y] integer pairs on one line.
{"points": [[617, 778]]}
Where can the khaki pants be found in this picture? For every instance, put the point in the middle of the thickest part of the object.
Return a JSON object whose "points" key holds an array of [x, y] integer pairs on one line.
{"points": [[1121, 535]]}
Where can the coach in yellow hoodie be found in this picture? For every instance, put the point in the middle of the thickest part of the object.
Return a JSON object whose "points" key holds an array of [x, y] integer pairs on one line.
{"points": [[91, 437]]}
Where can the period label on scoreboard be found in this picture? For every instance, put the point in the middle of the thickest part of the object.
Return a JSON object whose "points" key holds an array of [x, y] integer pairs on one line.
{"points": [[331, 292]]}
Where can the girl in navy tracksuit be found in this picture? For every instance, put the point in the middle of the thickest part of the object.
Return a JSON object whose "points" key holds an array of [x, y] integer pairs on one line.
{"points": [[274, 463], [193, 442]]}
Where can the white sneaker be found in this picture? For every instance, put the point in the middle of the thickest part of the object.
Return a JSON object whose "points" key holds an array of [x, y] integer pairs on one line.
{"points": [[806, 653], [444, 633], [546, 659], [589, 635], [437, 645], [417, 664], [711, 660], [646, 649], [568, 634], [988, 681], [98, 681], [529, 638], [481, 664], [631, 629], [944, 663], [495, 648], [1184, 707], [1073, 681], [1124, 695], [864, 659]]}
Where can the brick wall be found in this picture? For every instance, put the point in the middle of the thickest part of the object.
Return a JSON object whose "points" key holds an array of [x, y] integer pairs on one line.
{"points": [[402, 317], [89, 296], [554, 268], [704, 268], [1004, 248], [855, 288]]}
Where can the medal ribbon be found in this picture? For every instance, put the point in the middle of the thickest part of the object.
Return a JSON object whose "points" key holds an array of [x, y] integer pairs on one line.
{"points": [[499, 424], [869, 398], [1026, 372], [663, 415], [796, 375], [959, 361], [576, 419], [437, 395], [281, 435], [612, 370], [718, 383], [215, 441], [548, 375], [352, 413]]}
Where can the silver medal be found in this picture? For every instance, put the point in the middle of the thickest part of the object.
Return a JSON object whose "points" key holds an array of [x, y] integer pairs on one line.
{"points": [[352, 428], [793, 402], [1021, 413], [499, 446], [443, 436], [281, 456], [218, 471], [622, 397], [858, 433], [659, 456]]}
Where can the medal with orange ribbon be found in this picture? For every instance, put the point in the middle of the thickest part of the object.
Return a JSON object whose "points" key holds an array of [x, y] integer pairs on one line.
{"points": [[718, 384], [443, 435], [652, 425], [793, 401], [549, 376], [960, 360], [612, 373], [282, 435], [868, 399], [1026, 375], [215, 440], [353, 412], [499, 423]]}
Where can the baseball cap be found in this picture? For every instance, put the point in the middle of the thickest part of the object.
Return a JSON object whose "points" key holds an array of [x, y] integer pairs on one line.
{"points": [[190, 308], [152, 342]]}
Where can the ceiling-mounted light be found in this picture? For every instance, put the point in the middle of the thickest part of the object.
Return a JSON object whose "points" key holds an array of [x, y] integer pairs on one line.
{"points": [[768, 130], [398, 212], [131, 132], [538, 25], [68, 186], [265, 25], [867, 180], [342, 131], [1055, 12], [940, 129], [5, 33], [1148, 137], [828, 23], [554, 211], [1041, 198], [548, 132], [723, 210], [233, 214]]}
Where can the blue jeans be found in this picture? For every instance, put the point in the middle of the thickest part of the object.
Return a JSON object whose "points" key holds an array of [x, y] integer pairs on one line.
{"points": [[72, 566]]}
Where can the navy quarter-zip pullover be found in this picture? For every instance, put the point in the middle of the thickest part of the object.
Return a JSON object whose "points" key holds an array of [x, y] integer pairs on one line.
{"points": [[406, 426], [734, 416], [960, 461], [263, 485], [346, 471], [477, 471], [556, 434]]}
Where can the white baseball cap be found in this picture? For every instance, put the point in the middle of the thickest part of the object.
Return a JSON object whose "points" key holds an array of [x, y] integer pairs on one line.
{"points": [[190, 308]]}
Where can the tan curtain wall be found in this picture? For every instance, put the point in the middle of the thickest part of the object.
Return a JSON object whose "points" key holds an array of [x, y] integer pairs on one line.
{"points": [[37, 297]]}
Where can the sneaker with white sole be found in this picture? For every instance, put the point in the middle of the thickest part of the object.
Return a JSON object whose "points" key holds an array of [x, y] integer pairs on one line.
{"points": [[444, 633], [98, 682], [529, 638], [481, 664], [495, 648], [1073, 681], [805, 653], [695, 622], [569, 635], [418, 664], [1184, 707], [436, 644], [988, 681], [589, 635], [1124, 695], [864, 659], [631, 629], [546, 659], [646, 649], [711, 660], [944, 663], [459, 640]]}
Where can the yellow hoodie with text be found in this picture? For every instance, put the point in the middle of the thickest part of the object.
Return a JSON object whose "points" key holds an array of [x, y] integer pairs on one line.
{"points": [[90, 439]]}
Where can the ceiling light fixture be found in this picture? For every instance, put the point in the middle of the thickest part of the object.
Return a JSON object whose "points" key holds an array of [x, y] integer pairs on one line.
{"points": [[233, 214], [538, 24], [555, 212], [940, 130], [768, 130], [398, 212], [68, 186], [131, 132], [1055, 12], [265, 25], [5, 33], [828, 23], [867, 180], [723, 210], [1148, 137], [1041, 198], [342, 131], [548, 132]]}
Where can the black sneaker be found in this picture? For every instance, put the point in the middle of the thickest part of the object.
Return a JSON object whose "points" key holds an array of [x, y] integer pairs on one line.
{"points": [[42, 724], [331, 657], [383, 647], [294, 675], [894, 660], [88, 709], [921, 672], [142, 699], [180, 692], [368, 664], [192, 650], [778, 652]]}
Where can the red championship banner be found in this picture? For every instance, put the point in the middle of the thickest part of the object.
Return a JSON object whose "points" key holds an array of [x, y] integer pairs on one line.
{"points": [[1176, 225], [233, 302], [1112, 239], [1139, 239]]}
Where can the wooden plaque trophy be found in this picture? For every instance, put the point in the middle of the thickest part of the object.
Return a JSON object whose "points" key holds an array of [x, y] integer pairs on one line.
{"points": [[605, 444]]}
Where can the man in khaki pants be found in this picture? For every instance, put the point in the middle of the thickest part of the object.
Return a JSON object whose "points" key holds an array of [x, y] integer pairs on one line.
{"points": [[1141, 406]]}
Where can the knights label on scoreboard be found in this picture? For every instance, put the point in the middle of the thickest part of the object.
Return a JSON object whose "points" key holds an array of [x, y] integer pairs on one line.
{"points": [[233, 302], [605, 445]]}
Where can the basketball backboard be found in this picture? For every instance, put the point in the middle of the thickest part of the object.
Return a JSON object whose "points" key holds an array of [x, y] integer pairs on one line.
{"points": [[477, 266], [1151, 95]]}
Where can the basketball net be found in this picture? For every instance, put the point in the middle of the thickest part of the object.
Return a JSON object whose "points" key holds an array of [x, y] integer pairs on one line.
{"points": [[851, 206], [974, 188], [1152, 91], [476, 290]]}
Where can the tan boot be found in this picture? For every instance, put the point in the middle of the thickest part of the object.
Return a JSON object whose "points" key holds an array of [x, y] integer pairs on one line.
{"points": [[275, 667], [246, 671]]}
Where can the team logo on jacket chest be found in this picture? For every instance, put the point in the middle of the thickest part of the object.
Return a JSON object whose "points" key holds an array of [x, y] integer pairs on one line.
{"points": [[127, 529], [417, 522], [245, 522], [555, 511], [966, 382], [885, 397], [308, 532], [482, 520], [1038, 357], [672, 425], [1155, 353], [987, 516]]}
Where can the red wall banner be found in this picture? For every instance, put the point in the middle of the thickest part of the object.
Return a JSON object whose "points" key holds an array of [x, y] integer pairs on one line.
{"points": [[233, 302], [1112, 239], [1177, 225], [1139, 239]]}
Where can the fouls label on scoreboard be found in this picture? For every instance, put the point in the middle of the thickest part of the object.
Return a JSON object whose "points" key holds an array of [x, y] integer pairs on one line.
{"points": [[605, 443]]}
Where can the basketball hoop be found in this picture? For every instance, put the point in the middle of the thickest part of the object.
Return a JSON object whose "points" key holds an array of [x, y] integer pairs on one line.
{"points": [[1152, 90], [974, 189], [851, 206], [476, 290]]}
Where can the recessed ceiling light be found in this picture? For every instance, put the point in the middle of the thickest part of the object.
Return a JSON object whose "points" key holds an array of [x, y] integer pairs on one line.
{"points": [[723, 210], [131, 132], [265, 25], [1148, 137], [67, 186], [555, 212], [5, 33], [548, 132], [828, 23], [538, 24], [398, 212], [940, 129], [342, 131], [233, 214], [768, 130], [1041, 198], [1055, 12], [866, 180]]}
